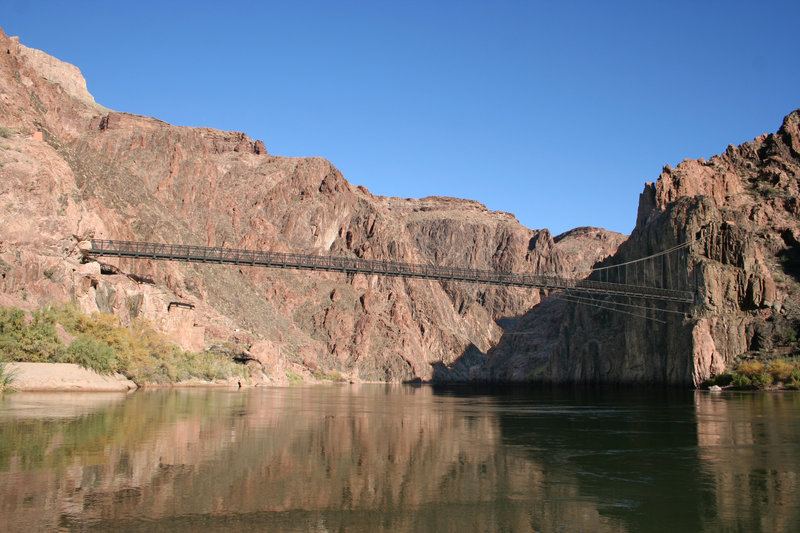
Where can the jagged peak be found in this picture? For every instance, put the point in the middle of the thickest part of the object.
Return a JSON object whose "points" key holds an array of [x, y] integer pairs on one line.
{"points": [[790, 130], [791, 120]]}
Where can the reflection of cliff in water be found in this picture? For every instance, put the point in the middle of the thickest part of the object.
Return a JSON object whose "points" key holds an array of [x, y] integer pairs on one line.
{"points": [[55, 467], [400, 459], [749, 453], [632, 452], [661, 460], [298, 459]]}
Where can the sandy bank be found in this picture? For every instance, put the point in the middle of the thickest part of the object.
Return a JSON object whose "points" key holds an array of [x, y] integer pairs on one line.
{"points": [[65, 377]]}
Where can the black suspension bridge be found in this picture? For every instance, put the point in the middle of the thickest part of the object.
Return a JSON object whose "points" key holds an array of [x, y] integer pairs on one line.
{"points": [[581, 291]]}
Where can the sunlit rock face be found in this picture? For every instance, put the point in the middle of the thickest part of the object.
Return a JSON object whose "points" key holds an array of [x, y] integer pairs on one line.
{"points": [[737, 213], [73, 170]]}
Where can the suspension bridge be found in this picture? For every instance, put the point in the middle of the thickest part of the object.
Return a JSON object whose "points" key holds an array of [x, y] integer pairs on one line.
{"points": [[353, 265]]}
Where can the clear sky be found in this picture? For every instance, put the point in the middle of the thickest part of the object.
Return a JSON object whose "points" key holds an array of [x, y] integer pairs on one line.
{"points": [[558, 112]]}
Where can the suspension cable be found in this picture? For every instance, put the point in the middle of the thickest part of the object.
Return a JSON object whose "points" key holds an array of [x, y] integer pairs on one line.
{"points": [[600, 305], [572, 294], [657, 254]]}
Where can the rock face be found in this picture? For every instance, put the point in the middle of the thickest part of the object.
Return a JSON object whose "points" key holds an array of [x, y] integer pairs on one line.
{"points": [[73, 170], [737, 214]]}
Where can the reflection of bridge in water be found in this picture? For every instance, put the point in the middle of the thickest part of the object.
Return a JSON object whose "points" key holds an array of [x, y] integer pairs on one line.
{"points": [[352, 265]]}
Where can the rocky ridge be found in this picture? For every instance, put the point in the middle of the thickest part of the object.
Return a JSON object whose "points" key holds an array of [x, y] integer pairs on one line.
{"points": [[738, 212], [71, 170]]}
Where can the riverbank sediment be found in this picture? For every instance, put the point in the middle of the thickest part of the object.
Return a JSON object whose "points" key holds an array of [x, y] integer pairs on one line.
{"points": [[70, 377], [41, 377]]}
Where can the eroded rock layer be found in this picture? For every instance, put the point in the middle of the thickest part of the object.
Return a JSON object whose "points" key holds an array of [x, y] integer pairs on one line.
{"points": [[737, 214], [73, 170]]}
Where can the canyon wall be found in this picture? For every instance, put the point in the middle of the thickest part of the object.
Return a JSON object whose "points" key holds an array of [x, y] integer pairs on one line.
{"points": [[737, 215], [72, 170]]}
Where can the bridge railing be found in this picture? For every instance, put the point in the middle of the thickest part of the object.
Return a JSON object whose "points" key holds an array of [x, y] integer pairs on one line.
{"points": [[205, 254]]}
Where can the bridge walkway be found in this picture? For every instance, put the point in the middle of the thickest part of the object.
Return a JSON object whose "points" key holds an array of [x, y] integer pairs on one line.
{"points": [[205, 254]]}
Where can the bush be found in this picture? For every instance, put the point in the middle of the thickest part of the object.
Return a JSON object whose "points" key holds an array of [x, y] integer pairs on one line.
{"points": [[789, 336], [102, 344], [6, 377], [741, 382], [35, 341], [12, 322], [780, 370], [334, 376], [91, 353], [761, 381], [750, 368], [294, 379], [209, 366], [722, 380]]}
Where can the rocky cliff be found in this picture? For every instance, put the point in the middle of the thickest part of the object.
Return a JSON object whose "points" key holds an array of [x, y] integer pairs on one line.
{"points": [[737, 217], [71, 170]]}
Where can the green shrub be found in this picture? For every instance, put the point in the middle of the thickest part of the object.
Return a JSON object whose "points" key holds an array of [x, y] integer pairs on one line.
{"points": [[209, 366], [34, 341], [6, 132], [91, 353], [329, 376], [761, 381], [102, 344], [6, 377], [789, 336], [294, 379], [722, 380], [11, 319], [750, 368], [741, 382], [780, 370]]}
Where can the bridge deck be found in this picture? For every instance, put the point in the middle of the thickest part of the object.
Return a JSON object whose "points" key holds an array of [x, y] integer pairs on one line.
{"points": [[204, 254]]}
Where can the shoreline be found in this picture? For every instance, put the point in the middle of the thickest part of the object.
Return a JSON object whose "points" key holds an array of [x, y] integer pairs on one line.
{"points": [[64, 377], [71, 377]]}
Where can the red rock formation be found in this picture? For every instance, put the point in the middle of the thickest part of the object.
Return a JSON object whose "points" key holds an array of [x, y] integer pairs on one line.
{"points": [[739, 212], [99, 173]]}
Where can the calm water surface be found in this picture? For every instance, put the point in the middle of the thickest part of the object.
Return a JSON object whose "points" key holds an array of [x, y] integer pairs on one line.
{"points": [[399, 458]]}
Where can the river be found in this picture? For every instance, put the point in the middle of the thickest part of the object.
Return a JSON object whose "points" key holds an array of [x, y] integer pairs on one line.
{"points": [[400, 458]]}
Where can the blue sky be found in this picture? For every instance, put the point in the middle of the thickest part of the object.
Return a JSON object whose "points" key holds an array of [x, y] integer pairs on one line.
{"points": [[558, 112]]}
